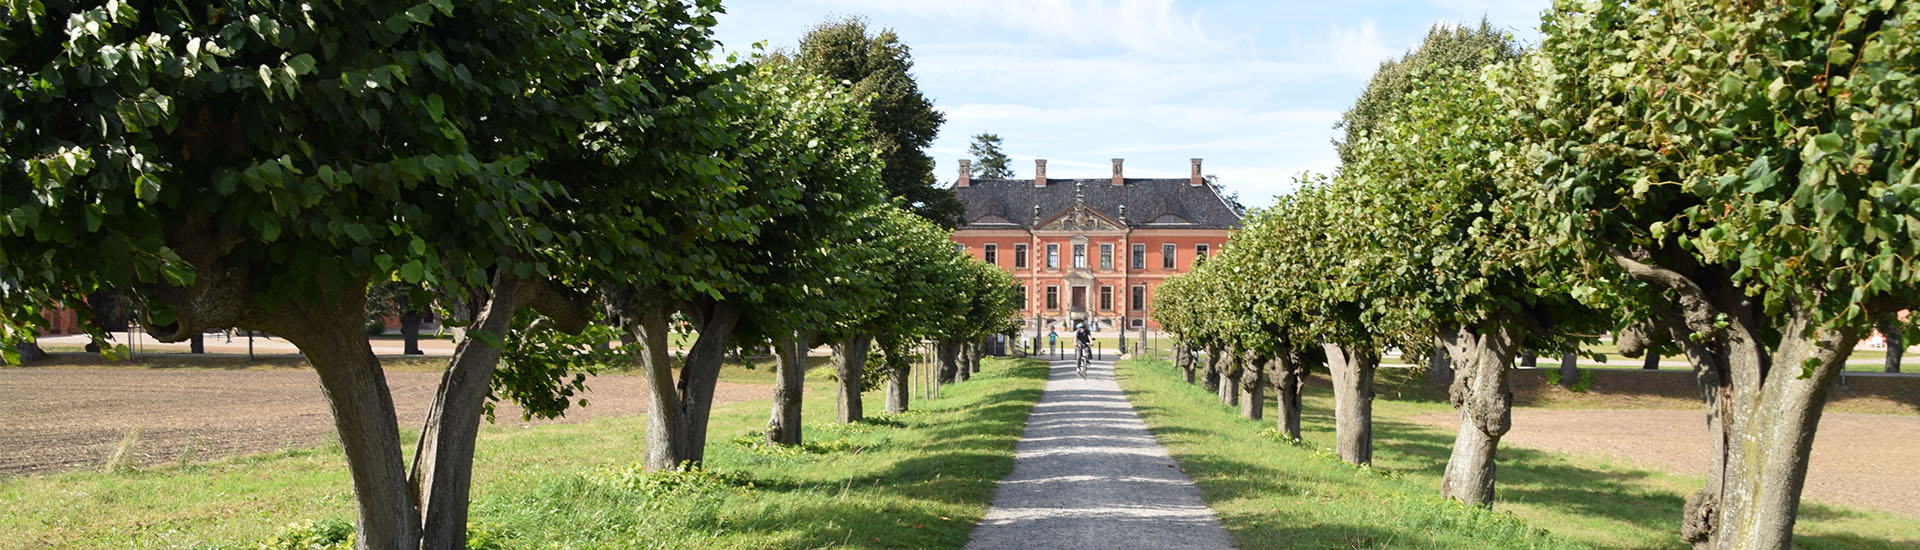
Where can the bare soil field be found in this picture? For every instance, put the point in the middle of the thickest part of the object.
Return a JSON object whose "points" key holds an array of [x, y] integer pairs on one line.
{"points": [[65, 418], [1860, 460]]}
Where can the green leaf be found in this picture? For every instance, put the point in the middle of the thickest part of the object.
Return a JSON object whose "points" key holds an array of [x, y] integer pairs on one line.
{"points": [[412, 272], [301, 64], [1828, 142]]}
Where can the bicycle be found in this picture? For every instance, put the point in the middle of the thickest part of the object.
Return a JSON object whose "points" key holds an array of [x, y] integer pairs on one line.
{"points": [[1083, 356]]}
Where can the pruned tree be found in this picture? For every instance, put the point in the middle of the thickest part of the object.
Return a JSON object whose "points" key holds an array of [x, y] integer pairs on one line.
{"points": [[258, 164], [1754, 168]]}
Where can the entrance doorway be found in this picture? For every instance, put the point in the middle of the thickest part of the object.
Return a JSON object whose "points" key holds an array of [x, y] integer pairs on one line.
{"points": [[1079, 298]]}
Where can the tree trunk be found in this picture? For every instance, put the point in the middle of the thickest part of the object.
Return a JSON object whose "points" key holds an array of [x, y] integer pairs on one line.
{"points": [[963, 352], [1440, 367], [678, 413], [442, 473], [899, 373], [1896, 342], [1764, 377], [1229, 379], [1184, 359], [850, 363], [790, 381], [1652, 361], [1569, 369], [443, 457], [1252, 381], [1288, 383], [974, 358], [197, 343], [29, 352], [947, 353], [410, 333], [1485, 399], [1212, 380], [331, 331], [1774, 417], [1352, 369]]}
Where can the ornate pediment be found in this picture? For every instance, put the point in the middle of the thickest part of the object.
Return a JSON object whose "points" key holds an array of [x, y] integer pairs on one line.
{"points": [[1080, 218]]}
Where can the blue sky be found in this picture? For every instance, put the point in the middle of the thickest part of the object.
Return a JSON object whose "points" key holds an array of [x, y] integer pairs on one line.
{"points": [[1253, 87]]}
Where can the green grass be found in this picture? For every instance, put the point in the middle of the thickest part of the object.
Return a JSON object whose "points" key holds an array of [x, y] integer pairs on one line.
{"points": [[1273, 494], [916, 480]]}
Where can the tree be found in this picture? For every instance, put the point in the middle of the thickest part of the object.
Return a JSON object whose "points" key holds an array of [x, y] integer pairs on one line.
{"points": [[988, 162], [1452, 267], [797, 169], [901, 121], [230, 180], [1753, 168], [893, 250]]}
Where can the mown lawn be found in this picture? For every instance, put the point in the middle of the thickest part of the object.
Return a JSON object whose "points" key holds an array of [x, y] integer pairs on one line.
{"points": [[1273, 494], [916, 480]]}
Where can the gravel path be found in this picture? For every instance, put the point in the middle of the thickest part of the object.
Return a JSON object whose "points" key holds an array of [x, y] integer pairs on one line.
{"points": [[64, 418], [1861, 460], [1086, 474]]}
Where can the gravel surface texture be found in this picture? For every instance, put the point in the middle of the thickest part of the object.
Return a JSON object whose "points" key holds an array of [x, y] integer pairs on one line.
{"points": [[65, 418], [1859, 460], [1086, 474]]}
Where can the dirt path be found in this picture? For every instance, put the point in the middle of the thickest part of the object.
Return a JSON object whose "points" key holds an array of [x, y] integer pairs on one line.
{"points": [[64, 418], [1086, 474], [1859, 460]]}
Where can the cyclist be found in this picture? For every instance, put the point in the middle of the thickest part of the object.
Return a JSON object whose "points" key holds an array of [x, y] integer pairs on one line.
{"points": [[1082, 347]]}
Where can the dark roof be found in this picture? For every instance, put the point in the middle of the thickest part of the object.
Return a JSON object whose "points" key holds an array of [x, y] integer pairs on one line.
{"points": [[1151, 203]]}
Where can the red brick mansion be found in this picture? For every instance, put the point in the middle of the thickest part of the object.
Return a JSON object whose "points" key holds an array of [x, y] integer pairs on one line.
{"points": [[1092, 249]]}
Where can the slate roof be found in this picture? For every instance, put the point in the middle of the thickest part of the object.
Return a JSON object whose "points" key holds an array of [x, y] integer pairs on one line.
{"points": [[1152, 203]]}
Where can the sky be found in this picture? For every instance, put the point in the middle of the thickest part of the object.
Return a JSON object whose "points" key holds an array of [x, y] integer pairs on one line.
{"points": [[1253, 87]]}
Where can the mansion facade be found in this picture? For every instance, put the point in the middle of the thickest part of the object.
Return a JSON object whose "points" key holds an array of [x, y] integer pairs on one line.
{"points": [[1092, 249]]}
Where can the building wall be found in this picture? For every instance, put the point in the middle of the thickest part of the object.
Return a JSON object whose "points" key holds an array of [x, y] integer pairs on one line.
{"points": [[1035, 276]]}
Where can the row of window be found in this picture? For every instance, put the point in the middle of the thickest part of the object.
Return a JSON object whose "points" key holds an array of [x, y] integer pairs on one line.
{"points": [[1200, 252], [1139, 302]]}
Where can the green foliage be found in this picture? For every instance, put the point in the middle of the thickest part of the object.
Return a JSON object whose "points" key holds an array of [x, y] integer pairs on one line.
{"points": [[1774, 144], [1445, 47], [543, 370], [877, 67], [988, 161]]}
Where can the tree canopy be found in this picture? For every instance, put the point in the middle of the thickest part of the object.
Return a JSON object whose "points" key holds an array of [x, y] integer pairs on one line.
{"points": [[988, 161], [902, 121]]}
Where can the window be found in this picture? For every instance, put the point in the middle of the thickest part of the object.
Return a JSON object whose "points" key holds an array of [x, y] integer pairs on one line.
{"points": [[1053, 256], [1199, 254], [1106, 257], [1140, 297], [993, 254], [1079, 256], [1053, 297], [1106, 298], [1019, 255], [1166, 256], [961, 248], [1023, 296], [1139, 256]]}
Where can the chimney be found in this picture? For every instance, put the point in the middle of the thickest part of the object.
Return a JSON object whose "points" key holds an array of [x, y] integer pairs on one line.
{"points": [[1196, 179], [1118, 179], [966, 174], [1039, 172]]}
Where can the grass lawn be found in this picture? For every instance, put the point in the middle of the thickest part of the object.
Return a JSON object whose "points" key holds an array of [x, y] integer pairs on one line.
{"points": [[916, 480], [1272, 494]]}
